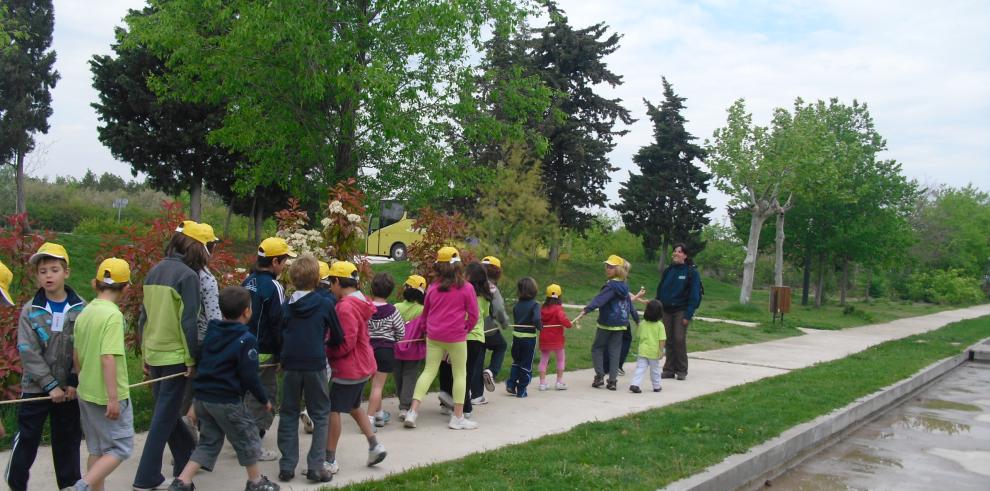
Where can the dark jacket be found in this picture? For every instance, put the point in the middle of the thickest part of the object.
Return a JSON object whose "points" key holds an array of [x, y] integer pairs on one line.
{"points": [[527, 313], [680, 289], [267, 297], [46, 355], [307, 321], [613, 304], [227, 366]]}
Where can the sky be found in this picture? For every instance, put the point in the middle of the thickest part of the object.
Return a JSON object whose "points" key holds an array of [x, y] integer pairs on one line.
{"points": [[922, 67]]}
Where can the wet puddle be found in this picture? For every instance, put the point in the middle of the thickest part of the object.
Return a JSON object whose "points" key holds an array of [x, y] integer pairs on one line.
{"points": [[942, 436]]}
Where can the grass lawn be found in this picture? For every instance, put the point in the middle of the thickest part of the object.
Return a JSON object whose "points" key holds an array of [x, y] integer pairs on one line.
{"points": [[654, 448]]}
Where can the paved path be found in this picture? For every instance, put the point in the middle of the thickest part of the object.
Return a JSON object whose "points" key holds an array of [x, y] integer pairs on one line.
{"points": [[509, 420]]}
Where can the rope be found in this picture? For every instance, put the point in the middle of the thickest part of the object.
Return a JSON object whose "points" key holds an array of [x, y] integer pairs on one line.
{"points": [[486, 332], [139, 384]]}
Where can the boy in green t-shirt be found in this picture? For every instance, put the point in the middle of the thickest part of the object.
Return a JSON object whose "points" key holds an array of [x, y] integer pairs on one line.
{"points": [[652, 338], [104, 400]]}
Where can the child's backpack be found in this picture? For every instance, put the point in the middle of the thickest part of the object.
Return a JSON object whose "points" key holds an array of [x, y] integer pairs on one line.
{"points": [[413, 344]]}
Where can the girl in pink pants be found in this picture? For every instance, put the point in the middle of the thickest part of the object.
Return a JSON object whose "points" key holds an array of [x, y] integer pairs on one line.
{"points": [[552, 336]]}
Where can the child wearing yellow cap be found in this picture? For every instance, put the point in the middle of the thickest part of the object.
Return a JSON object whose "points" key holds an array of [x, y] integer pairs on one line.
{"points": [[100, 354], [44, 339], [411, 351], [552, 335]]}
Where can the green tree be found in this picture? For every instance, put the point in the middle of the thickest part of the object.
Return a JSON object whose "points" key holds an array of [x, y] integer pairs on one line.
{"points": [[576, 167], [663, 204], [318, 91], [165, 139], [27, 76], [952, 226]]}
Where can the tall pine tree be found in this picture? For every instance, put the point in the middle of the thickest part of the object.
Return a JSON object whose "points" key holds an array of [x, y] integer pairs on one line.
{"points": [[27, 76], [576, 167], [663, 204]]}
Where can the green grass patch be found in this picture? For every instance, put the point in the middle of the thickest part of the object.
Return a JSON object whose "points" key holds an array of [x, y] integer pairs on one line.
{"points": [[654, 448]]}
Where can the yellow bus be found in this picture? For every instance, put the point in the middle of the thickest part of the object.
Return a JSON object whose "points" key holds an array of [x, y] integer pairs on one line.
{"points": [[391, 232]]}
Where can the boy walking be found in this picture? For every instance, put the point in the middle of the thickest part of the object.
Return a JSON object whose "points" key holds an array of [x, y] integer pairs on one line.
{"points": [[267, 298], [227, 370], [104, 398], [44, 340], [304, 371]]}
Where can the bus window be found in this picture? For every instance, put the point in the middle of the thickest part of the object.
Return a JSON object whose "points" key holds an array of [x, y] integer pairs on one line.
{"points": [[392, 212]]}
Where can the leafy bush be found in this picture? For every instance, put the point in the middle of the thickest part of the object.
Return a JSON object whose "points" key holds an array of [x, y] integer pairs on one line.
{"points": [[439, 230], [724, 253], [603, 238], [950, 286], [99, 225]]}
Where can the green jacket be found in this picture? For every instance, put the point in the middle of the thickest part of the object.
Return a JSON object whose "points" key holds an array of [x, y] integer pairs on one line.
{"points": [[168, 325], [651, 334]]}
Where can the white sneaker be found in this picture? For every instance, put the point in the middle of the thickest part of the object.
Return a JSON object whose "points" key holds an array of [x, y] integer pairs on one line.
{"points": [[561, 386], [543, 387], [446, 399], [268, 455], [410, 421], [446, 411], [479, 401], [331, 467], [376, 455], [461, 424], [402, 414], [307, 422], [489, 379]]}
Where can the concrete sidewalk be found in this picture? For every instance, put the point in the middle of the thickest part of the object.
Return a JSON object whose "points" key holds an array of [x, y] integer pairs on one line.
{"points": [[507, 420]]}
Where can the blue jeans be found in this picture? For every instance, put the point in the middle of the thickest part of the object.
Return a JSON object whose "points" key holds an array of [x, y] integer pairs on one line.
{"points": [[521, 373], [166, 428]]}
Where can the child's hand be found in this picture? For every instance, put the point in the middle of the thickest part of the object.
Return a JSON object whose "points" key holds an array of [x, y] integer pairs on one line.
{"points": [[268, 407], [57, 395], [70, 393], [113, 410]]}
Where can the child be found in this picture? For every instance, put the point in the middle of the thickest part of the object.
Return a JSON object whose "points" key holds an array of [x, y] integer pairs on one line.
{"points": [[267, 298], [104, 399], [227, 368], [650, 349], [413, 292], [324, 291], [528, 324], [615, 304], [44, 340], [352, 363], [385, 328], [496, 320], [6, 277], [450, 311], [478, 279], [209, 293], [552, 336], [304, 371], [409, 356]]}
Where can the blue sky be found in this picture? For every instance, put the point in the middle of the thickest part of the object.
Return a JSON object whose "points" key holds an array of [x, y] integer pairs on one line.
{"points": [[923, 67]]}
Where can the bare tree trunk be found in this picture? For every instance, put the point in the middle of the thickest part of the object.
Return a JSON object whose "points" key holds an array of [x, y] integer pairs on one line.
{"points": [[820, 287], [21, 204], [845, 281], [869, 283], [759, 215], [806, 280], [778, 262], [259, 220], [226, 222], [664, 250], [196, 200]]}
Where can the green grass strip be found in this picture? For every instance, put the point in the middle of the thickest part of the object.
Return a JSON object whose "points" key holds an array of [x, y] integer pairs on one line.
{"points": [[654, 448]]}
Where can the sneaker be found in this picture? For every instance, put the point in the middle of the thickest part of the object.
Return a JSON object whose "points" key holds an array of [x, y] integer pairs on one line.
{"points": [[479, 401], [667, 375], [446, 411], [543, 387], [658, 389], [561, 386], [522, 393], [489, 379], [681, 376], [263, 485], [634, 389], [598, 382], [331, 467], [446, 399], [374, 428], [286, 476], [307, 423], [319, 475], [461, 424], [160, 486], [510, 389], [611, 385], [178, 485], [268, 455], [621, 372], [410, 421], [402, 414], [376, 455], [383, 419], [467, 414]]}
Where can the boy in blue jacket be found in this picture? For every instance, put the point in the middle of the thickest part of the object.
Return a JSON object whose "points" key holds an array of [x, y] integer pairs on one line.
{"points": [[227, 368]]}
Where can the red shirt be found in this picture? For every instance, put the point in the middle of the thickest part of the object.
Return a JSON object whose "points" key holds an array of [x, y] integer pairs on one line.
{"points": [[552, 338]]}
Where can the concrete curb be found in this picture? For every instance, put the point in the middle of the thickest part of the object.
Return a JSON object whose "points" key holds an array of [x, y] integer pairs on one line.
{"points": [[772, 458]]}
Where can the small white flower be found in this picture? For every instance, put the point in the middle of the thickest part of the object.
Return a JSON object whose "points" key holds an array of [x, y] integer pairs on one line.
{"points": [[353, 218]]}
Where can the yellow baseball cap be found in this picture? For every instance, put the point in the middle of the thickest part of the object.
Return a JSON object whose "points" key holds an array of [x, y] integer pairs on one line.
{"points": [[344, 269], [50, 249], [113, 271], [324, 270], [182, 226], [6, 277], [554, 291], [416, 281], [200, 232], [448, 255], [493, 261], [615, 261], [274, 247]]}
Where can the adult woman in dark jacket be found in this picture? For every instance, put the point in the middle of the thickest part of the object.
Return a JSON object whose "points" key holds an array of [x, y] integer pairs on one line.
{"points": [[680, 293]]}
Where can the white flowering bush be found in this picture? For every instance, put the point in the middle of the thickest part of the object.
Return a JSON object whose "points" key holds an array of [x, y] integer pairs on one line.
{"points": [[344, 227], [292, 223]]}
